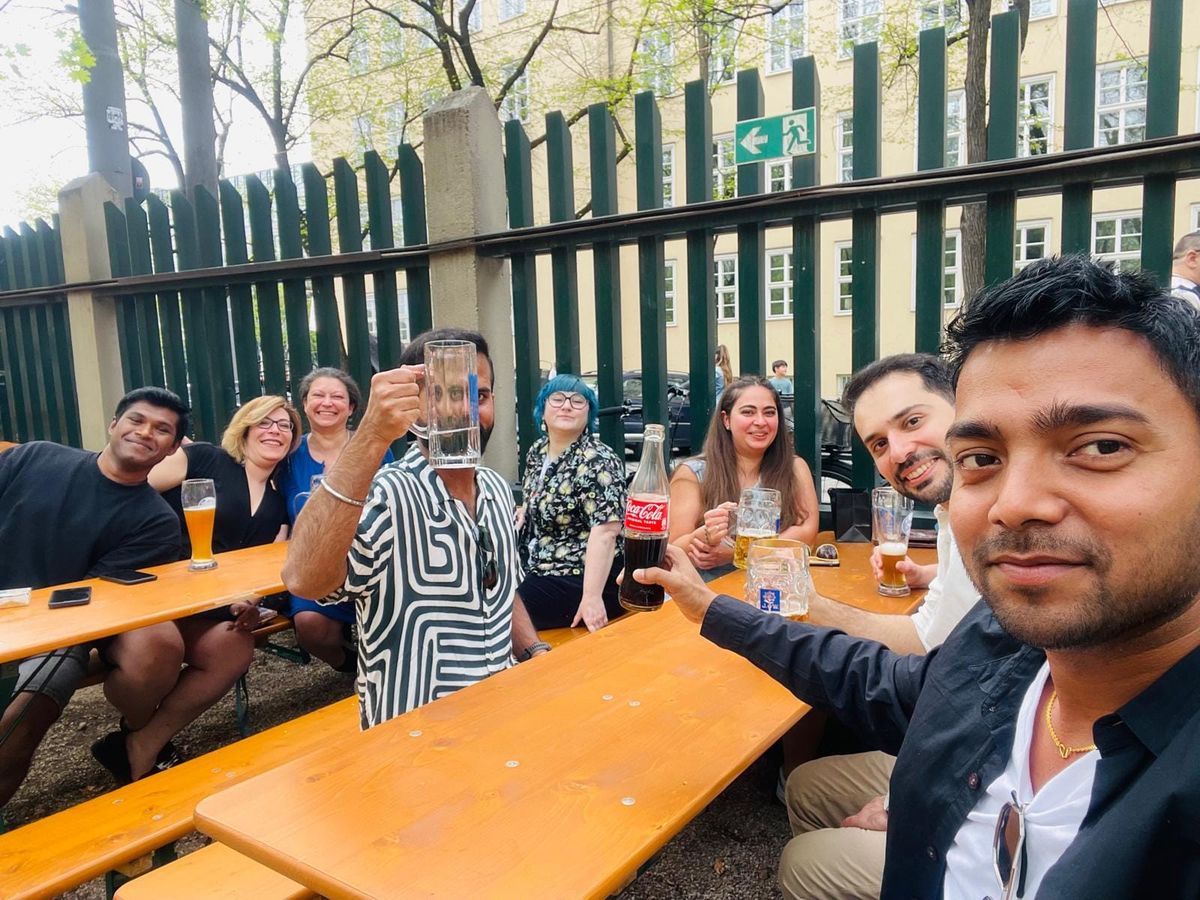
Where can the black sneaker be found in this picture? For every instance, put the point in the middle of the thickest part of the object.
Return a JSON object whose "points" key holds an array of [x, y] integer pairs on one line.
{"points": [[110, 752]]}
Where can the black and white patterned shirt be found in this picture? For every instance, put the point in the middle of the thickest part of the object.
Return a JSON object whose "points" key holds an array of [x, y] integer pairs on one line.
{"points": [[426, 625]]}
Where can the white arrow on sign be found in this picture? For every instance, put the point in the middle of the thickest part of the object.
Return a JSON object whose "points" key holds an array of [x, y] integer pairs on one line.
{"points": [[753, 140]]}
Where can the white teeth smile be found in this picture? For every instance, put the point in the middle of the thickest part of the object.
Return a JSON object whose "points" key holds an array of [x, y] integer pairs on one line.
{"points": [[919, 470]]}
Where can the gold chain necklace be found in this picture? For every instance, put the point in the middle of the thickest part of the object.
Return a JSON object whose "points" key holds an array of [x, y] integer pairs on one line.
{"points": [[1063, 750]]}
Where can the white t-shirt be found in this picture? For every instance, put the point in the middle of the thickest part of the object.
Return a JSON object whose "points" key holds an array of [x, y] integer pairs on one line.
{"points": [[951, 593], [1185, 289], [1052, 815]]}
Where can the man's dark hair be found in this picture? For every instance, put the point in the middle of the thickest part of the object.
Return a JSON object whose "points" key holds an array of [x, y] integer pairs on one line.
{"points": [[932, 369], [163, 399], [1060, 291], [414, 353]]}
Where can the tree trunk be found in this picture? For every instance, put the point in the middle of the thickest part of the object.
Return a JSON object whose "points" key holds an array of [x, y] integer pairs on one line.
{"points": [[195, 98], [974, 216]]}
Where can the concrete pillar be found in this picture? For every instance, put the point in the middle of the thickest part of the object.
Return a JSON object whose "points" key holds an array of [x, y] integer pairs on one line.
{"points": [[464, 184], [94, 346]]}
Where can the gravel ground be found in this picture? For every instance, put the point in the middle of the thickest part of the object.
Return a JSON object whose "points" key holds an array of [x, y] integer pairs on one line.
{"points": [[728, 852]]}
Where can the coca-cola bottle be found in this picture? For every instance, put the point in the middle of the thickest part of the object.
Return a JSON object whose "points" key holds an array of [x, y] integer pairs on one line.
{"points": [[646, 523]]}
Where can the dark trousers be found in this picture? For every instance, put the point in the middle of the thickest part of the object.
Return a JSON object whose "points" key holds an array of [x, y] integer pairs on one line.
{"points": [[553, 600]]}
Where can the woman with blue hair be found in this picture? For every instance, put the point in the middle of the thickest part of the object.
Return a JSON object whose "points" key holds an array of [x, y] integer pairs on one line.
{"points": [[570, 530]]}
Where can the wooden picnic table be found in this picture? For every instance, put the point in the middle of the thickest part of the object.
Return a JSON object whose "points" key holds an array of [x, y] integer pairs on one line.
{"points": [[559, 777], [117, 608]]}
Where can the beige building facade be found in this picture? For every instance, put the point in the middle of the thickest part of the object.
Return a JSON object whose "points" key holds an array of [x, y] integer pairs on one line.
{"points": [[665, 58]]}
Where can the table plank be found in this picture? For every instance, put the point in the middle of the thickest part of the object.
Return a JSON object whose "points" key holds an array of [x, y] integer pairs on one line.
{"points": [[116, 608], [429, 804]]}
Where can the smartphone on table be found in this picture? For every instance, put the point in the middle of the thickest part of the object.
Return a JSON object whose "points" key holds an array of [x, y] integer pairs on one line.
{"points": [[129, 576], [76, 596]]}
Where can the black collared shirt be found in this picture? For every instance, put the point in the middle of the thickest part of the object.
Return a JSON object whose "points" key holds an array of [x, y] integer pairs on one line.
{"points": [[950, 716]]}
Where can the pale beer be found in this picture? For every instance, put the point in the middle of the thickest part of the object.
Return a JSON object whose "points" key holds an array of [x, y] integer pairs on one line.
{"points": [[892, 553], [200, 531], [741, 544]]}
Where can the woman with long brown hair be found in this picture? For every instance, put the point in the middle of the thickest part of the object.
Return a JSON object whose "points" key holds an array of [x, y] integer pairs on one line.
{"points": [[746, 446]]}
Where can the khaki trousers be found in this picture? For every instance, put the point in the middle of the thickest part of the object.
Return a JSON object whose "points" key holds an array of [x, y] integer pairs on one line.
{"points": [[825, 861]]}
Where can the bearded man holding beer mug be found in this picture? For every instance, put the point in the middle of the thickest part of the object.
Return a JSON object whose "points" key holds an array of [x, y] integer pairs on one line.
{"points": [[901, 407]]}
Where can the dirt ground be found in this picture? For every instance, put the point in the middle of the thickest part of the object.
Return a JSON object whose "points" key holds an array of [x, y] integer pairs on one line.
{"points": [[728, 852]]}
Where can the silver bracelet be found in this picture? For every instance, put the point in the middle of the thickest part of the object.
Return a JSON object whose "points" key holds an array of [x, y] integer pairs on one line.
{"points": [[338, 495]]}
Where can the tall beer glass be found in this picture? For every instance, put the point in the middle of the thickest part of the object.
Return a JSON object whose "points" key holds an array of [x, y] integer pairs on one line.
{"points": [[451, 425], [199, 500], [757, 517], [891, 521]]}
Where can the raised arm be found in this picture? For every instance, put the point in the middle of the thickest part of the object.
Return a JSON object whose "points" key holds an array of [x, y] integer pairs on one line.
{"points": [[170, 472], [324, 531]]}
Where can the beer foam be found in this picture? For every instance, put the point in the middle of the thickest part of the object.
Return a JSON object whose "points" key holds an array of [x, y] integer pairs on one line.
{"points": [[893, 548]]}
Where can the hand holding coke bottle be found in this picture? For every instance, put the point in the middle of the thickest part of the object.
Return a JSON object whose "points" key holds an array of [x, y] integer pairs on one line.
{"points": [[646, 523]]}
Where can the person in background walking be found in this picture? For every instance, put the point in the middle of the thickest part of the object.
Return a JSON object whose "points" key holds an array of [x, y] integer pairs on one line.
{"points": [[780, 380], [724, 372]]}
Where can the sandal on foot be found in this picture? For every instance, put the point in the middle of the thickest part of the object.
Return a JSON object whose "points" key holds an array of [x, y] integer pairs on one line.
{"points": [[110, 751]]}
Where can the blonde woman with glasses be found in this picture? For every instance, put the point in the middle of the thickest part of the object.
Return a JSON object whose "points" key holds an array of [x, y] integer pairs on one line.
{"points": [[250, 508]]}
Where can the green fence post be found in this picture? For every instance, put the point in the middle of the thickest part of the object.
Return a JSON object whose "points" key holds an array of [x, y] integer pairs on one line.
{"points": [[752, 326], [354, 299], [607, 275], [51, 240], [145, 304], [1002, 143], [205, 402], [701, 292], [1079, 129], [127, 336], [295, 297], [651, 262], [416, 233], [518, 177], [216, 308], [806, 281], [564, 278], [1162, 120], [316, 217], [266, 293], [162, 252], [383, 282], [241, 300], [864, 266], [931, 214], [53, 423]]}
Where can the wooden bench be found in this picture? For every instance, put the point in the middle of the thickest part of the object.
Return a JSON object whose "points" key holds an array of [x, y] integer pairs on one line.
{"points": [[64, 850], [214, 872]]}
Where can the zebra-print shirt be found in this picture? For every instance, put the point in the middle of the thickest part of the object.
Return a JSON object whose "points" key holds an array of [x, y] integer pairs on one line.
{"points": [[426, 626]]}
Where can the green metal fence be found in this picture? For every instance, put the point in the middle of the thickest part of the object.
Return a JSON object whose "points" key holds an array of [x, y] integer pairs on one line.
{"points": [[37, 379], [219, 316]]}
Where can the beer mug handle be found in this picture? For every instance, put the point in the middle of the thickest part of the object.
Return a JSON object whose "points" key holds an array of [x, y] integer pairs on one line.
{"points": [[419, 431], [731, 532]]}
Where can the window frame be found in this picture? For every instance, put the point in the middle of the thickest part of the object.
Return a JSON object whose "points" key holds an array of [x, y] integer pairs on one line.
{"points": [[786, 285], [845, 43], [845, 156], [731, 289], [839, 279], [1053, 13], [790, 51], [1124, 106], [1119, 256], [656, 52], [520, 93], [722, 173], [1023, 120], [511, 9], [668, 175], [1020, 242], [670, 293]]}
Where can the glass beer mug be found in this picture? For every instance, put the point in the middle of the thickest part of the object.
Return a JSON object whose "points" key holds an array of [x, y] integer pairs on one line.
{"points": [[777, 577]]}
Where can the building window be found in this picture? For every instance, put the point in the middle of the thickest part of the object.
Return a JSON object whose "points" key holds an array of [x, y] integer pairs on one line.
{"points": [[841, 381], [362, 134], [933, 13], [1042, 9], [955, 103], [668, 164], [394, 121], [845, 146], [779, 176], [1119, 238], [656, 59], [725, 277], [1035, 107], [391, 45], [402, 309], [475, 19], [952, 269], [358, 55], [722, 65], [1120, 103], [398, 221], [779, 284], [1029, 243], [516, 102], [510, 9], [669, 292], [1196, 217], [858, 23], [843, 259], [724, 168], [787, 36]]}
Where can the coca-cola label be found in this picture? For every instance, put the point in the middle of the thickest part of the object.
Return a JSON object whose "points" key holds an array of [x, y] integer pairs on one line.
{"points": [[646, 516]]}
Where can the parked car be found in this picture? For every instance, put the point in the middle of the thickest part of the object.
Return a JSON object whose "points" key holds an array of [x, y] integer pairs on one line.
{"points": [[679, 411]]}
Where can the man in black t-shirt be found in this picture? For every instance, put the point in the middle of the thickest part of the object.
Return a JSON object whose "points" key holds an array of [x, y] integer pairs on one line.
{"points": [[71, 514]]}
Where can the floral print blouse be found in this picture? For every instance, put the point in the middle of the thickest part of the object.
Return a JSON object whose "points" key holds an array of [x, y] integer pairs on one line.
{"points": [[564, 499]]}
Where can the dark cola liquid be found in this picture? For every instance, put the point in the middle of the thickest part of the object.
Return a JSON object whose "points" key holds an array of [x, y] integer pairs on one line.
{"points": [[642, 553]]}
